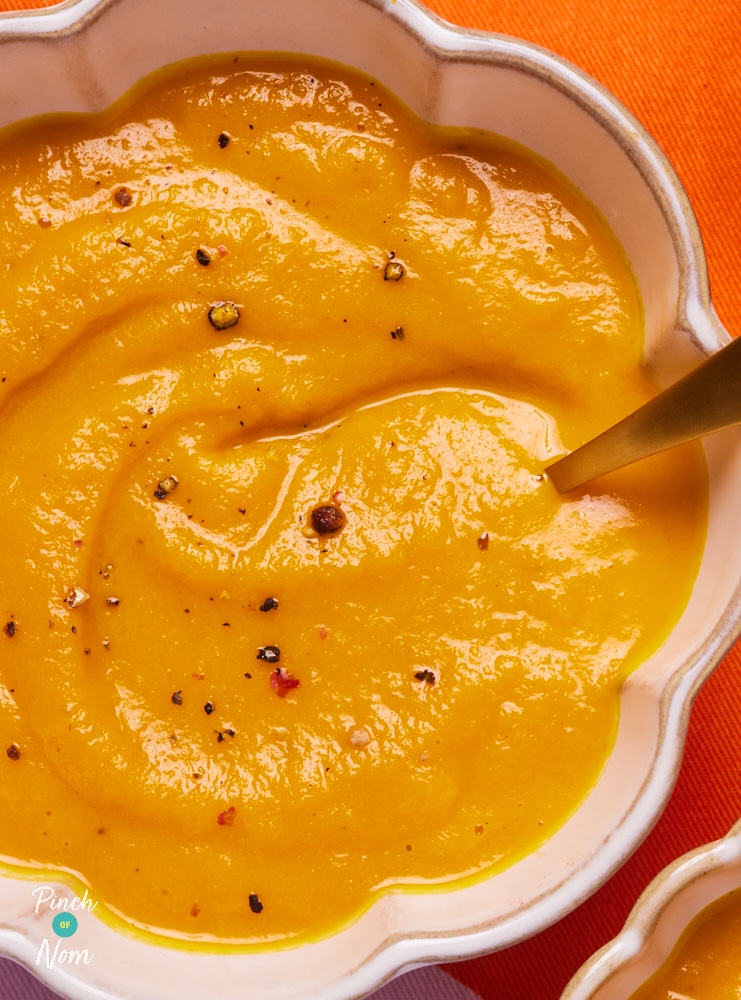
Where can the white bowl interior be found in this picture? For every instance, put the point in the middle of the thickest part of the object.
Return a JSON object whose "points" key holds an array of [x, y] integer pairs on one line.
{"points": [[85, 55], [659, 919], [90, 70]]}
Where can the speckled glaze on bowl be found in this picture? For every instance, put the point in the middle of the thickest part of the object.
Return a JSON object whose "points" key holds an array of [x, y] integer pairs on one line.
{"points": [[81, 56], [666, 908]]}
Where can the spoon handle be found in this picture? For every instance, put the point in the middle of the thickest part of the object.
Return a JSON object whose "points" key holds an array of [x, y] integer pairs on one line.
{"points": [[705, 400]]}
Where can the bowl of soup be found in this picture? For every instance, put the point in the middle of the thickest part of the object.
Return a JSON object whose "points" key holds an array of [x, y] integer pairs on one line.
{"points": [[681, 938], [309, 675]]}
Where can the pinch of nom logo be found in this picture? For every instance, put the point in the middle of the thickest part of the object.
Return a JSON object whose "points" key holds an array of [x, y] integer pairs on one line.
{"points": [[64, 925]]}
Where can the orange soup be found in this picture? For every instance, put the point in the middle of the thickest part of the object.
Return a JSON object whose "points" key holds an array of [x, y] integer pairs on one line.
{"points": [[706, 965], [291, 615]]}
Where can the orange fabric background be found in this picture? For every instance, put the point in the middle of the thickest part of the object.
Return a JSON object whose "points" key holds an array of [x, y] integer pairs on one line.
{"points": [[675, 64]]}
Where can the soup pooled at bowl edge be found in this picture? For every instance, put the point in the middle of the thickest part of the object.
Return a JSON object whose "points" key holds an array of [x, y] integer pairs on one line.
{"points": [[706, 963]]}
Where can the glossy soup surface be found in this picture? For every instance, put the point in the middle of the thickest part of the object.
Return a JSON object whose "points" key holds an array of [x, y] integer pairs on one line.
{"points": [[706, 965], [251, 290]]}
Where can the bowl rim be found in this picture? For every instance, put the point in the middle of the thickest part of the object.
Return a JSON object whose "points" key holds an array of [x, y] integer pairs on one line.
{"points": [[450, 42], [718, 859], [447, 43]]}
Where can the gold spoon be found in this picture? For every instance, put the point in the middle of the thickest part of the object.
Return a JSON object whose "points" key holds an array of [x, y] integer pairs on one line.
{"points": [[707, 399]]}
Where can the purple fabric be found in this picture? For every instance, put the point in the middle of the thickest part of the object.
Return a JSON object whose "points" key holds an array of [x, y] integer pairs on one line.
{"points": [[16, 983]]}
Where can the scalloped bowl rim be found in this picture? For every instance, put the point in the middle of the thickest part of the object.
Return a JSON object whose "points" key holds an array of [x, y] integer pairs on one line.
{"points": [[438, 70], [658, 920]]}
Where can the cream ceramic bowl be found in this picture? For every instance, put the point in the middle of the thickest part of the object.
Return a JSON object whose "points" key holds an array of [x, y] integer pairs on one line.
{"points": [[84, 54], [662, 914]]}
